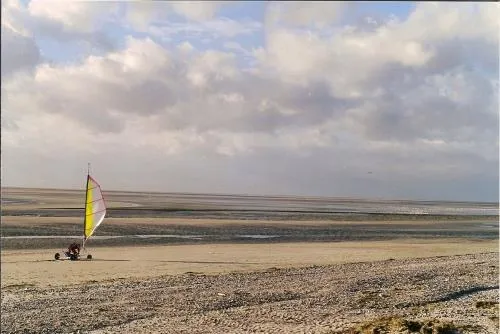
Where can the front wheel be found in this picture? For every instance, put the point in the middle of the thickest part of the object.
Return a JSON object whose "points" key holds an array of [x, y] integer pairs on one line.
{"points": [[89, 257]]}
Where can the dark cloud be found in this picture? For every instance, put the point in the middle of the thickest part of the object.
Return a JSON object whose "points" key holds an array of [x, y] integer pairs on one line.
{"points": [[18, 52], [453, 53], [89, 41]]}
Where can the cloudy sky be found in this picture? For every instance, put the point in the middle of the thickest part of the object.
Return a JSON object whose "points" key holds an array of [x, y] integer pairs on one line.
{"points": [[384, 100]]}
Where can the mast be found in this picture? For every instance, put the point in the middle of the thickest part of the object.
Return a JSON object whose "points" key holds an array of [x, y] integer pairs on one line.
{"points": [[85, 209]]}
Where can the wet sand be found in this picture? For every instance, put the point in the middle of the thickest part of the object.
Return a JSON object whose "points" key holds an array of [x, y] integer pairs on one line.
{"points": [[57, 232]]}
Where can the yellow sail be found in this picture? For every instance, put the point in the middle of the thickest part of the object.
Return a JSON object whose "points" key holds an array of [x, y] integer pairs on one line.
{"points": [[95, 207]]}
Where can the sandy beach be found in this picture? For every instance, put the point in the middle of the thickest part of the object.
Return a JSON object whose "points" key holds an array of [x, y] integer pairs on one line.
{"points": [[342, 287], [37, 267], [438, 294], [226, 167], [220, 272]]}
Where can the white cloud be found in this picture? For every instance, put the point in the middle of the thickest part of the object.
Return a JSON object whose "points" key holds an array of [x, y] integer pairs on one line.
{"points": [[196, 10], [441, 20], [311, 13], [216, 28], [211, 64], [13, 14], [232, 98], [140, 14], [73, 15], [349, 59], [406, 99], [154, 16], [186, 47], [70, 23]]}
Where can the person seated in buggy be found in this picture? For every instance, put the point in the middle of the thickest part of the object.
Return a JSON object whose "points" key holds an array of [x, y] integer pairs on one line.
{"points": [[73, 250], [73, 253]]}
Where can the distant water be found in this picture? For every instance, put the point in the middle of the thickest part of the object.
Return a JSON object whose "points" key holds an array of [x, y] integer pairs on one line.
{"points": [[200, 202], [322, 205], [316, 204], [416, 208]]}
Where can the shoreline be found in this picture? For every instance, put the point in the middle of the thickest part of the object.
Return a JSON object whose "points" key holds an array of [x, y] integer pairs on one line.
{"points": [[117, 243]]}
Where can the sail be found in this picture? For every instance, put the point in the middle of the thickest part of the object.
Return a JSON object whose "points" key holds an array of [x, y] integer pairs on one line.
{"points": [[95, 207]]}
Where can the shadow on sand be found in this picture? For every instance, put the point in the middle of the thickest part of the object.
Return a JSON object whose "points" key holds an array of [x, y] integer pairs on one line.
{"points": [[66, 260], [108, 260], [125, 260], [205, 262], [33, 261]]}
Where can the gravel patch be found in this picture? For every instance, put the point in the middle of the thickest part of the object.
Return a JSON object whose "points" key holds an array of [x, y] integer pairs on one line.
{"points": [[455, 293]]}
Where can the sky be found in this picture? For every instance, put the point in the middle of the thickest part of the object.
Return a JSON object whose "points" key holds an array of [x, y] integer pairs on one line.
{"points": [[394, 100]]}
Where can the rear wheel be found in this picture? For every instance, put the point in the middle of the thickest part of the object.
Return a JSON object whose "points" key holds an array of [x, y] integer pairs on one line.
{"points": [[73, 257], [89, 257], [57, 256]]}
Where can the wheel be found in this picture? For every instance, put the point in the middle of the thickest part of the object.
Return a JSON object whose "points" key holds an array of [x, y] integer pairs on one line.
{"points": [[73, 257], [89, 257], [57, 256]]}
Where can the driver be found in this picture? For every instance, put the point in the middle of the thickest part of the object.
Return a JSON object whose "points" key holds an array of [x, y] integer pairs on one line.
{"points": [[74, 248]]}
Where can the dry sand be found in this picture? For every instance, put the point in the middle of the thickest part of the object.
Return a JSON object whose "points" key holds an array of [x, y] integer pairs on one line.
{"points": [[38, 267], [429, 295], [386, 286]]}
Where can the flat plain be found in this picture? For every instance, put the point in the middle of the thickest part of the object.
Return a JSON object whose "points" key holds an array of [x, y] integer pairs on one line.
{"points": [[172, 263]]}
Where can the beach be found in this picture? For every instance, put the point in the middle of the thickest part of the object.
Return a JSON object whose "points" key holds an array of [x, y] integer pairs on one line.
{"points": [[249, 167], [211, 271], [458, 292]]}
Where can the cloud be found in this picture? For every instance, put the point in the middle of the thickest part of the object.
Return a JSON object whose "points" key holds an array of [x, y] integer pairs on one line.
{"points": [[231, 45], [76, 16], [21, 53], [196, 10], [13, 14], [100, 88], [72, 23], [414, 101], [146, 14], [318, 14], [216, 28], [161, 19], [416, 42], [140, 14]]}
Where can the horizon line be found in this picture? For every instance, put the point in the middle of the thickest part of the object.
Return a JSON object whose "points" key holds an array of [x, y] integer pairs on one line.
{"points": [[319, 197]]}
